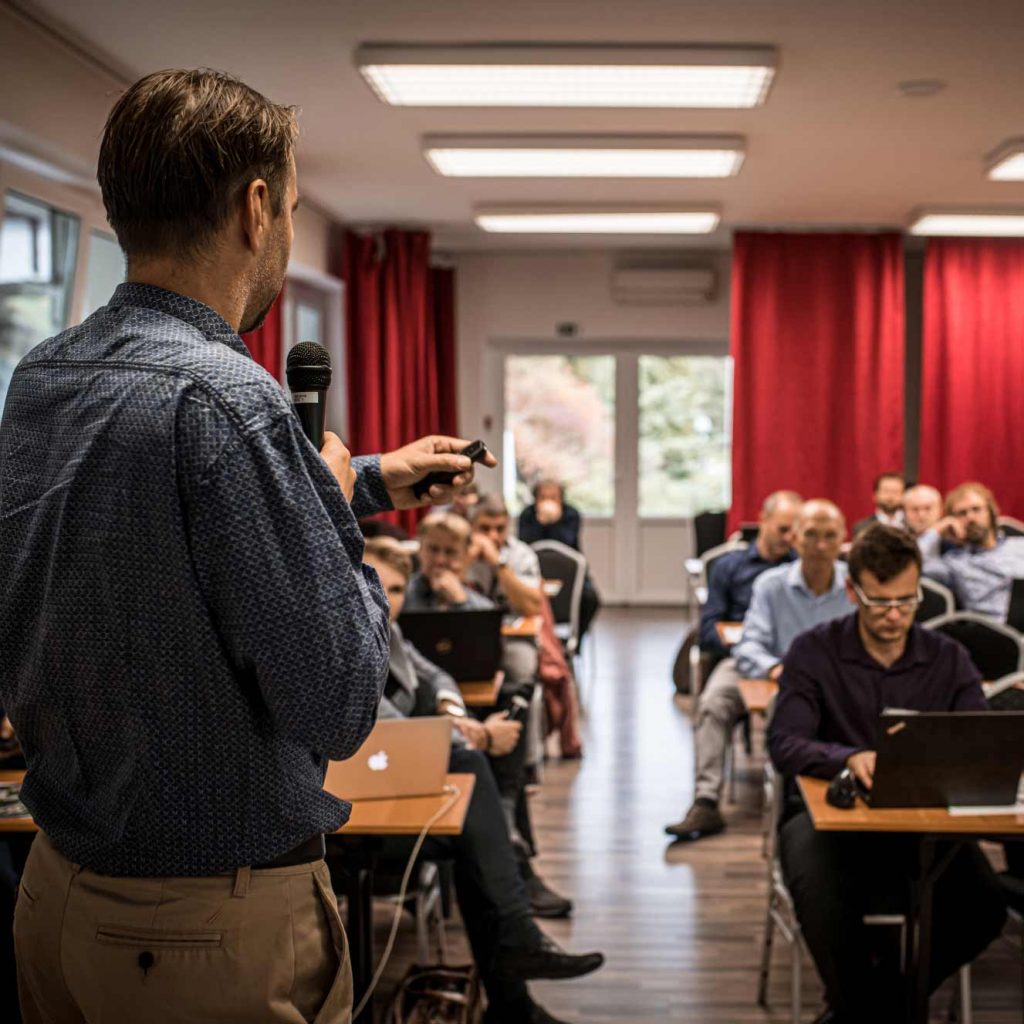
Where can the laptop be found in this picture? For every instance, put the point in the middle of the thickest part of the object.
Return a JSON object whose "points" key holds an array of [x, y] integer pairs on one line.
{"points": [[1015, 610], [466, 644], [401, 757], [948, 759]]}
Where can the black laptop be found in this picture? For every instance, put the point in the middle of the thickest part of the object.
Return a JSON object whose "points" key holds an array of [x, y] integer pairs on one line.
{"points": [[466, 644], [948, 759]]}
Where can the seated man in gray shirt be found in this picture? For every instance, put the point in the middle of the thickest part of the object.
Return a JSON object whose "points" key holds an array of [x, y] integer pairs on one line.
{"points": [[981, 571], [785, 602]]}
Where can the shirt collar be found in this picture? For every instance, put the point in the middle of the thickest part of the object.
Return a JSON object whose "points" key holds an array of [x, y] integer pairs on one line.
{"points": [[795, 579], [852, 649], [190, 311]]}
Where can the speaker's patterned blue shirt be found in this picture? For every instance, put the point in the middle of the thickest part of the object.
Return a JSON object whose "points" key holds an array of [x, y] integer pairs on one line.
{"points": [[187, 631]]}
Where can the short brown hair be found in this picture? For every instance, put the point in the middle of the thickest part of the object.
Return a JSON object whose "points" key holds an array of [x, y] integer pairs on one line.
{"points": [[489, 505], [389, 552], [178, 150], [445, 522], [973, 487], [885, 551]]}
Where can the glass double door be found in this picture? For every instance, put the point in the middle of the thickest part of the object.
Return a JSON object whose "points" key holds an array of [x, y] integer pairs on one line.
{"points": [[641, 441]]}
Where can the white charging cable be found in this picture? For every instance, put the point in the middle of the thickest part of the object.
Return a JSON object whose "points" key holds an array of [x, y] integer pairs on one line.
{"points": [[403, 891]]}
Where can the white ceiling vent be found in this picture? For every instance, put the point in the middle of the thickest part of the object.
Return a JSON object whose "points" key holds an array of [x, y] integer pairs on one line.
{"points": [[664, 286]]}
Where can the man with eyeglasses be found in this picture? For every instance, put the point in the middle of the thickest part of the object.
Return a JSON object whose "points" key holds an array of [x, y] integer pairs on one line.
{"points": [[981, 569], [837, 679], [785, 601]]}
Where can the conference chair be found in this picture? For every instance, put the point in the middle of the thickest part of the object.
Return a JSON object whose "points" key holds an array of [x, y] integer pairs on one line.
{"points": [[937, 601], [691, 666], [747, 532], [996, 649], [1010, 527], [781, 917], [708, 531], [560, 562], [1006, 694]]}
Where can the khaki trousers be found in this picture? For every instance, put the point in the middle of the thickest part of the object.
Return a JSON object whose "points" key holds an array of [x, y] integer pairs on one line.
{"points": [[251, 946]]}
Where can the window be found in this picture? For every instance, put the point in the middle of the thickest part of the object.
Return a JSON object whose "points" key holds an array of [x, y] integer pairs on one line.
{"points": [[104, 271], [684, 439], [38, 248], [560, 423]]}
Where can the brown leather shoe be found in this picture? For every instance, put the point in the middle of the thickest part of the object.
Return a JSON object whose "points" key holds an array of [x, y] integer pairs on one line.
{"points": [[701, 820]]}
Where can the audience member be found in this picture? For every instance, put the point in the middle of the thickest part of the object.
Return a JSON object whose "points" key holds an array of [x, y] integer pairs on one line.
{"points": [[981, 570], [374, 526], [507, 946], [785, 602], [550, 518], [416, 687], [463, 503], [838, 677], [922, 516], [733, 574], [888, 495]]}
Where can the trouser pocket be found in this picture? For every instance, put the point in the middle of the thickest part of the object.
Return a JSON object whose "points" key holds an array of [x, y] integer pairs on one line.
{"points": [[157, 938], [337, 1007]]}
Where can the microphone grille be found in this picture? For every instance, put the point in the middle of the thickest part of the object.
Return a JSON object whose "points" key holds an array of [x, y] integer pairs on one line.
{"points": [[308, 367]]}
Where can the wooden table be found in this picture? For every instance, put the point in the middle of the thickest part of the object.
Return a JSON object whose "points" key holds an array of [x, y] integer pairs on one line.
{"points": [[934, 825], [757, 694], [482, 694], [527, 626], [729, 632], [370, 820]]}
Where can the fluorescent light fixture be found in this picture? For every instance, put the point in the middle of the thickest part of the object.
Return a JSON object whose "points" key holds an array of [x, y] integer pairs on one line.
{"points": [[612, 220], [1005, 223], [1007, 162], [569, 76], [584, 156]]}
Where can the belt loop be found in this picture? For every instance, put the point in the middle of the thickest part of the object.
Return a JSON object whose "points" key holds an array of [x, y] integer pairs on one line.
{"points": [[242, 876]]}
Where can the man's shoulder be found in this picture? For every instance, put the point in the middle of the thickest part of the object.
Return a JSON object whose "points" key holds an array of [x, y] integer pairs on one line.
{"points": [[522, 556], [823, 640]]}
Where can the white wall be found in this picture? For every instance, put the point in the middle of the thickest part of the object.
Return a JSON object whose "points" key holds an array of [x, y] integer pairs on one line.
{"points": [[505, 298]]}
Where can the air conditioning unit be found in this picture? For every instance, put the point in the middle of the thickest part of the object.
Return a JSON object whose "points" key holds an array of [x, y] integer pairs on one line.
{"points": [[664, 286]]}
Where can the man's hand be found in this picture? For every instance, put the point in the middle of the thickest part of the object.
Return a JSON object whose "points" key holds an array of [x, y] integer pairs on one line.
{"points": [[448, 587], [504, 734], [951, 529], [862, 764], [775, 672], [406, 466], [339, 462], [473, 731], [548, 511], [483, 549]]}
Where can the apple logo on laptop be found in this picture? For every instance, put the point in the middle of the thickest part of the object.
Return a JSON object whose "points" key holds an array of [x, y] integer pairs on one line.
{"points": [[378, 762]]}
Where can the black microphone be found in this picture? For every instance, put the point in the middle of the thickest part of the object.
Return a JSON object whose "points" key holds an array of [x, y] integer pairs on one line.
{"points": [[308, 372]]}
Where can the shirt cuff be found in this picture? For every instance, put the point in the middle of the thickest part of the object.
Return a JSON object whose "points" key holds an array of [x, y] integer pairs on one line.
{"points": [[451, 696], [370, 495]]}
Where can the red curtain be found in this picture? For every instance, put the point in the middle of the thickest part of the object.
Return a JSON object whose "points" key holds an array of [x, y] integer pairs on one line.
{"points": [[972, 374], [817, 339], [265, 342], [400, 343]]}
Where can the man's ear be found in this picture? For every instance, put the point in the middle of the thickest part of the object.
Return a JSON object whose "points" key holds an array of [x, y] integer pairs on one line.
{"points": [[850, 593], [255, 214]]}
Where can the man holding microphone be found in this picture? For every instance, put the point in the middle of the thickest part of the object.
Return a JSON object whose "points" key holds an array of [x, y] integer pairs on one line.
{"points": [[187, 631]]}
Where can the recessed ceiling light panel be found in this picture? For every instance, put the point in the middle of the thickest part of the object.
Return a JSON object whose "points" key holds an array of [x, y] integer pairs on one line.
{"points": [[1004, 223], [598, 156], [630, 220], [1007, 162], [569, 76]]}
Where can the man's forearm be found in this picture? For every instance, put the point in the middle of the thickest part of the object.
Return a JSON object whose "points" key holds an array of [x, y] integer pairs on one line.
{"points": [[523, 598]]}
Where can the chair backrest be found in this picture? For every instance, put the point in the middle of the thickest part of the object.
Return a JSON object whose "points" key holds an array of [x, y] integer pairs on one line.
{"points": [[708, 531], [569, 567], [995, 649], [1006, 694], [1010, 526], [938, 601]]}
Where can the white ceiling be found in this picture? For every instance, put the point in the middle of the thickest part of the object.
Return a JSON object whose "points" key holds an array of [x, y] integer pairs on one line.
{"points": [[835, 145]]}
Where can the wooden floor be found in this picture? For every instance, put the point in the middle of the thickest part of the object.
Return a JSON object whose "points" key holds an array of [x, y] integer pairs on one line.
{"points": [[680, 924]]}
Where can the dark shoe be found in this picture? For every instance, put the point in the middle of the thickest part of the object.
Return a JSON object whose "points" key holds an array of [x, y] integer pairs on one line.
{"points": [[530, 1014], [702, 819], [545, 902], [545, 960]]}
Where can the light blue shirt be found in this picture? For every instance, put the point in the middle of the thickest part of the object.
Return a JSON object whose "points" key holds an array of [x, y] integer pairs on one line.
{"points": [[782, 607], [981, 578]]}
